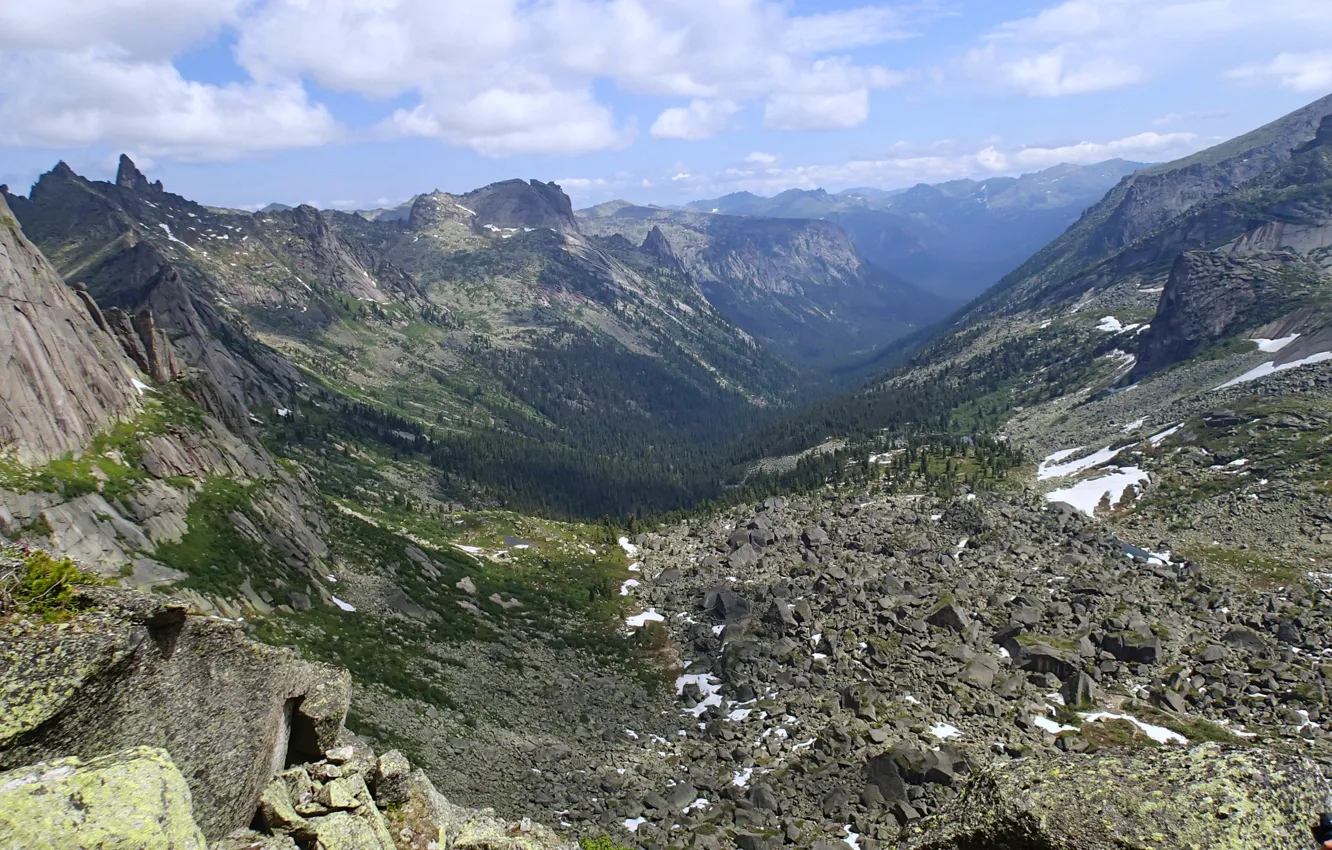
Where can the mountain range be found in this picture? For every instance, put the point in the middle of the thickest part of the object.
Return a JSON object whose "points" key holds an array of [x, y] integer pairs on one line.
{"points": [[955, 239], [675, 528]]}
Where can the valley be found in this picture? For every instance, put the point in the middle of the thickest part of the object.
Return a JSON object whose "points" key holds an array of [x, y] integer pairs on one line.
{"points": [[708, 528]]}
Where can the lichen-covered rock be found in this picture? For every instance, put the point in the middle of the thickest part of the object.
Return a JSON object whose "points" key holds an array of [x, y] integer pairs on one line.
{"points": [[133, 800], [1205, 798], [427, 821], [135, 671], [390, 780]]}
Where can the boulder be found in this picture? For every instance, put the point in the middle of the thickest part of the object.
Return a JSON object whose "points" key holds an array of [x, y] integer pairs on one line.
{"points": [[390, 779], [136, 671], [427, 821], [1205, 798], [130, 800]]}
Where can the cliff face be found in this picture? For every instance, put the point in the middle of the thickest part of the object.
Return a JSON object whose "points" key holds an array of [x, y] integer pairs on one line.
{"points": [[63, 378]]}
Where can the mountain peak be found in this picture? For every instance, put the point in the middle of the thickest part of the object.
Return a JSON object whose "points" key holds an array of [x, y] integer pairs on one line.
{"points": [[128, 176], [515, 203]]}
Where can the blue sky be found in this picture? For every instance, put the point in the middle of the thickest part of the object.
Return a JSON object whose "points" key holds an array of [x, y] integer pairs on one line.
{"points": [[358, 103]]}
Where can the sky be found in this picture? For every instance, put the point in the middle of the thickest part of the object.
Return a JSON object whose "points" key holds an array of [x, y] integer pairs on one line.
{"points": [[364, 103]]}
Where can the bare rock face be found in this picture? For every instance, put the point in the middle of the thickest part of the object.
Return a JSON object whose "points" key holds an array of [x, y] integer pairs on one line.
{"points": [[136, 671], [63, 378]]}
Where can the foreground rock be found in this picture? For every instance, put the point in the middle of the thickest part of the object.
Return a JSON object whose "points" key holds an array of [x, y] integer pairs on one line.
{"points": [[132, 800], [1206, 797], [137, 671], [137, 687]]}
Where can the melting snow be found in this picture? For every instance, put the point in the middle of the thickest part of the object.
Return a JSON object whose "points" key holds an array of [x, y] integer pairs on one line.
{"points": [[852, 838], [632, 824], [465, 209], [140, 386], [709, 687], [700, 804], [638, 621], [172, 237], [472, 550], [1051, 726], [1111, 325], [628, 585], [742, 777], [1158, 439], [1272, 346], [943, 731], [1133, 426], [1159, 734], [1086, 495], [1271, 368], [346, 606], [1049, 467], [629, 548]]}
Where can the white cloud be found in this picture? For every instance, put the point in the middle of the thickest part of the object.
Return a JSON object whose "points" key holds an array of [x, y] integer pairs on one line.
{"points": [[701, 119], [761, 158], [1083, 46], [98, 97], [1302, 72], [717, 55], [798, 111]]}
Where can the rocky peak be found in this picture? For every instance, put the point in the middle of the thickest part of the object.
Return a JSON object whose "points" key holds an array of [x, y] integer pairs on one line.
{"points": [[657, 245], [514, 203], [128, 176]]}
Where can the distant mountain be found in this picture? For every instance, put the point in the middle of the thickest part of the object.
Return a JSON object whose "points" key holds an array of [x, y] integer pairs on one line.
{"points": [[798, 285], [952, 239]]}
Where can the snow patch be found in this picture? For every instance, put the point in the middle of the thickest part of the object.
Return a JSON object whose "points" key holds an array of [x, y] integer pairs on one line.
{"points": [[1271, 368], [1050, 468], [632, 824], [638, 621], [346, 606], [1111, 325], [1087, 495], [1133, 426], [1158, 439], [1159, 734], [628, 585], [943, 731], [629, 548], [1272, 346], [140, 386]]}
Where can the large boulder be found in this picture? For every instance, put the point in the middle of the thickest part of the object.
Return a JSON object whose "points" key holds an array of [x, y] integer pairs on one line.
{"points": [[137, 671], [1205, 798], [132, 800]]}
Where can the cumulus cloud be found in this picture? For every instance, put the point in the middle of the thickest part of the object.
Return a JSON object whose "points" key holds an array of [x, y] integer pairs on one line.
{"points": [[99, 97], [1302, 72], [716, 55], [75, 74], [1080, 47], [761, 158], [701, 119]]}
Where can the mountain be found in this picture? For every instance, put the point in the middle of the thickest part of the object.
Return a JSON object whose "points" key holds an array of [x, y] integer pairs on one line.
{"points": [[474, 322], [1078, 532], [951, 239], [798, 286]]}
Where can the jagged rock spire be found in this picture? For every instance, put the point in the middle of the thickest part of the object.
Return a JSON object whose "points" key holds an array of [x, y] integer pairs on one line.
{"points": [[128, 176]]}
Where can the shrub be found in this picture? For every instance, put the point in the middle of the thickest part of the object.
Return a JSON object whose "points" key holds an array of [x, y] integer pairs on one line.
{"points": [[41, 584]]}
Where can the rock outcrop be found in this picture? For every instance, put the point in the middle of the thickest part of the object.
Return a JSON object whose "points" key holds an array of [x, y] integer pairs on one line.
{"points": [[1205, 798], [130, 800], [137, 671], [136, 725], [63, 379]]}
